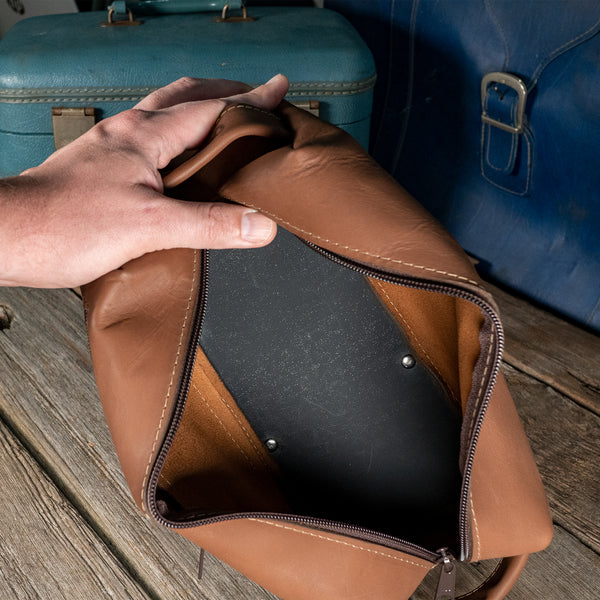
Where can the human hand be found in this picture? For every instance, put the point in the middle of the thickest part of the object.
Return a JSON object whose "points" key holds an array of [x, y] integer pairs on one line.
{"points": [[97, 203]]}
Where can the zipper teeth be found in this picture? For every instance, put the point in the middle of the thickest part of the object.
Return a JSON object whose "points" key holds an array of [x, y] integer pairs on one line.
{"points": [[368, 535], [183, 388], [458, 293]]}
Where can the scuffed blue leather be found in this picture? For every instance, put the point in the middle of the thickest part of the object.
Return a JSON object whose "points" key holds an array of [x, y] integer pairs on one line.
{"points": [[69, 60], [528, 209]]}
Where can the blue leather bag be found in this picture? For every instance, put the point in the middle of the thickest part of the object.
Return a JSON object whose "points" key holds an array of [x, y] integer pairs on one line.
{"points": [[59, 73], [488, 112]]}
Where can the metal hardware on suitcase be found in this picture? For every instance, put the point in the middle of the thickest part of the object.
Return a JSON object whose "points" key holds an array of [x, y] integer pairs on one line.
{"points": [[60, 73], [510, 169]]}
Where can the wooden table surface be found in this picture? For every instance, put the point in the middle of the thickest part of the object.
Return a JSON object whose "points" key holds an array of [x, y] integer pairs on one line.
{"points": [[69, 529]]}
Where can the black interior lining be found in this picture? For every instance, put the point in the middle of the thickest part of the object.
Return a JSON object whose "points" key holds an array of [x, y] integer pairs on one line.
{"points": [[315, 363]]}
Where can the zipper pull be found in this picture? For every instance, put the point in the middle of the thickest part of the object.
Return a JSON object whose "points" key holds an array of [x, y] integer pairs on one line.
{"points": [[447, 583]]}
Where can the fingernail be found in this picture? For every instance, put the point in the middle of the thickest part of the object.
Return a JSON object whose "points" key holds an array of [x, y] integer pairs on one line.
{"points": [[256, 227], [273, 78]]}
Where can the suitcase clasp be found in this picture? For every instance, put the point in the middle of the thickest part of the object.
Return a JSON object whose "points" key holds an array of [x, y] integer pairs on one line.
{"points": [[112, 9], [226, 18], [69, 123]]}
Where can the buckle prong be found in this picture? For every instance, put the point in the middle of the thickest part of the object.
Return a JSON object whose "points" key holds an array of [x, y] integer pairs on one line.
{"points": [[516, 84]]}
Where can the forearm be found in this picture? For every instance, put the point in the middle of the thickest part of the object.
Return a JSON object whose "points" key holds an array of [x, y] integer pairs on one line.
{"points": [[21, 205]]}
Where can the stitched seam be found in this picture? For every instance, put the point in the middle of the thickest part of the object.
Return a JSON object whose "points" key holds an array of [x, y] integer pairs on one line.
{"points": [[529, 173], [480, 394], [481, 386], [487, 127], [245, 107], [70, 99], [6, 99], [334, 84], [406, 324], [401, 140], [560, 50], [502, 34], [168, 394], [83, 90], [476, 527], [240, 423], [512, 153], [358, 250], [329, 539], [225, 429]]}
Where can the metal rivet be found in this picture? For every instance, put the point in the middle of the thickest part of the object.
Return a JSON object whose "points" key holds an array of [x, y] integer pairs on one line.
{"points": [[271, 445], [408, 361]]}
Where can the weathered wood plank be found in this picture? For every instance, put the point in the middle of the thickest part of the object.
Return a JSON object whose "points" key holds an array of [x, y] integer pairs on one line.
{"points": [[49, 398], [565, 439], [566, 570], [48, 551], [551, 350]]}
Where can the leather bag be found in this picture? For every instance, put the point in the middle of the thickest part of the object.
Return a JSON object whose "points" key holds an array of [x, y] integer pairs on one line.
{"points": [[325, 414]]}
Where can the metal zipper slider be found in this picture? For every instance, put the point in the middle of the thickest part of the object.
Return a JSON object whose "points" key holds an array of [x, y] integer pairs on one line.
{"points": [[447, 583]]}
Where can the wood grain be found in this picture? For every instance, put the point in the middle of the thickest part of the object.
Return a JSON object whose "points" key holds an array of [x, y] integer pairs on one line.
{"points": [[48, 551], [547, 348], [48, 396], [564, 438]]}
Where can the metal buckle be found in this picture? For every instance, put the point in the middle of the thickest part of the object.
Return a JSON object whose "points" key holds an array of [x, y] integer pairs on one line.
{"points": [[516, 84]]}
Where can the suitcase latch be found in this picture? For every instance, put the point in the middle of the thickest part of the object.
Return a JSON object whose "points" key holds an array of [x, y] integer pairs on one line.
{"points": [[311, 106], [68, 123], [226, 17]]}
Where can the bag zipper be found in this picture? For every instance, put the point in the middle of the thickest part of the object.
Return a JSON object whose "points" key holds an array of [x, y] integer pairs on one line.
{"points": [[442, 555], [446, 588]]}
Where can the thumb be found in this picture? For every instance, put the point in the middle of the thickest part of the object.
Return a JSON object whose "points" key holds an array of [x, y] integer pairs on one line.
{"points": [[210, 225]]}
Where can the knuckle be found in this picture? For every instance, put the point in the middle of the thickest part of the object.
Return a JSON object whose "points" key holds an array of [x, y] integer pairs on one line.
{"points": [[186, 82], [217, 223], [126, 122]]}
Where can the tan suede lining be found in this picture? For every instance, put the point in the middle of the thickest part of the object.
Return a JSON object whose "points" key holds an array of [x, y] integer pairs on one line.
{"points": [[216, 462], [442, 329]]}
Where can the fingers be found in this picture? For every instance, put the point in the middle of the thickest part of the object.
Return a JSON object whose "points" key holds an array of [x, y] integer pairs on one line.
{"points": [[168, 132], [210, 225], [188, 89], [266, 96]]}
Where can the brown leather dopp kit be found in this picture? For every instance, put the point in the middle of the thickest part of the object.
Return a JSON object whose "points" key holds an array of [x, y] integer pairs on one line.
{"points": [[198, 402]]}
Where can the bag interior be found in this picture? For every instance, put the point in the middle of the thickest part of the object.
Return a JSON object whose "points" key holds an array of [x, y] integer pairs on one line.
{"points": [[319, 392]]}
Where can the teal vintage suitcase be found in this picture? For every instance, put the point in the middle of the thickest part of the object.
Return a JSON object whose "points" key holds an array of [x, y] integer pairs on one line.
{"points": [[60, 73]]}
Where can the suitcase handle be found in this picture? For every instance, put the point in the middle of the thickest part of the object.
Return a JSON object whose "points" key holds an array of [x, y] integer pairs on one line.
{"points": [[158, 7]]}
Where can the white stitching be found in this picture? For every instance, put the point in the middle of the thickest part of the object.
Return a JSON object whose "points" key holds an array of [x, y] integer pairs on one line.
{"points": [[529, 161], [168, 394], [483, 378], [329, 539], [477, 537], [473, 416], [358, 250], [224, 427], [239, 422]]}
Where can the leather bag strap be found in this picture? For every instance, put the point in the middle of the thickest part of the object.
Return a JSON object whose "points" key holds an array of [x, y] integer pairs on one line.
{"points": [[500, 582]]}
